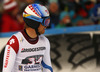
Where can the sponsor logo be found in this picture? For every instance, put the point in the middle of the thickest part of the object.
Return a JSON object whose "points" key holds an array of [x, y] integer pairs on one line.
{"points": [[12, 41], [7, 57], [30, 68], [32, 49], [21, 40], [20, 68]]}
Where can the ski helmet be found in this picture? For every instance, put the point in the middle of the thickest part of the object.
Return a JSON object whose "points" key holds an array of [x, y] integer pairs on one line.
{"points": [[34, 14]]}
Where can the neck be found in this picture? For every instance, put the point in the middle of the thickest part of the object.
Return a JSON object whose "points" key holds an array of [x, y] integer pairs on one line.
{"points": [[31, 32]]}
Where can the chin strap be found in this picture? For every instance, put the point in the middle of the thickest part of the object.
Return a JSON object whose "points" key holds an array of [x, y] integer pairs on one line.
{"points": [[37, 31]]}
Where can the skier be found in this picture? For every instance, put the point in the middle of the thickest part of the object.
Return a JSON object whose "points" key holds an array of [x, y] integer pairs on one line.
{"points": [[29, 50]]}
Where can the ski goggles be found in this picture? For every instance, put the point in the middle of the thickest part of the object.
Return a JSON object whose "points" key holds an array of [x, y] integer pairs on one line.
{"points": [[45, 21]]}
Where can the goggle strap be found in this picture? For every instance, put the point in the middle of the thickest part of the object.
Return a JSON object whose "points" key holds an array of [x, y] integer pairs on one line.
{"points": [[42, 21], [35, 18]]}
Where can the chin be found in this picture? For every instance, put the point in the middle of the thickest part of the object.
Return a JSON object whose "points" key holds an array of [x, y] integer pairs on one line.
{"points": [[42, 32]]}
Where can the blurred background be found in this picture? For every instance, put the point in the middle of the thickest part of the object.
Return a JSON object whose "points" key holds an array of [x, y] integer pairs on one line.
{"points": [[64, 13], [74, 31]]}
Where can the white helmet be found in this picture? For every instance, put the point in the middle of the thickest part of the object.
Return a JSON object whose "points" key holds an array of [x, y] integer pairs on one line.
{"points": [[34, 14]]}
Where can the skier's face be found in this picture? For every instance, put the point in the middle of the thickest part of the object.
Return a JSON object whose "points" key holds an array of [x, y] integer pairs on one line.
{"points": [[41, 29]]}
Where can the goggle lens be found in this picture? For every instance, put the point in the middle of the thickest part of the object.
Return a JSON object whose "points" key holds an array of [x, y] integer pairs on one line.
{"points": [[47, 22]]}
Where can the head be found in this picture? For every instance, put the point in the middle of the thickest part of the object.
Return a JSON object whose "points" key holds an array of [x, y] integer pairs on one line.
{"points": [[89, 5], [65, 18], [29, 1], [53, 7], [36, 16]]}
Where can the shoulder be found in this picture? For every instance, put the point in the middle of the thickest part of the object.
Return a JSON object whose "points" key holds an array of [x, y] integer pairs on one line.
{"points": [[17, 34], [42, 37], [45, 40], [13, 42]]}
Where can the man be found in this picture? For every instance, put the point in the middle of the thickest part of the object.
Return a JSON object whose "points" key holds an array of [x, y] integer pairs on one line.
{"points": [[27, 50], [11, 20], [95, 15]]}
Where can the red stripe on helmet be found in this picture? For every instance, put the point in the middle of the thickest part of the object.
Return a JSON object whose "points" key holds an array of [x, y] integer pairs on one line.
{"points": [[25, 12], [30, 6]]}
